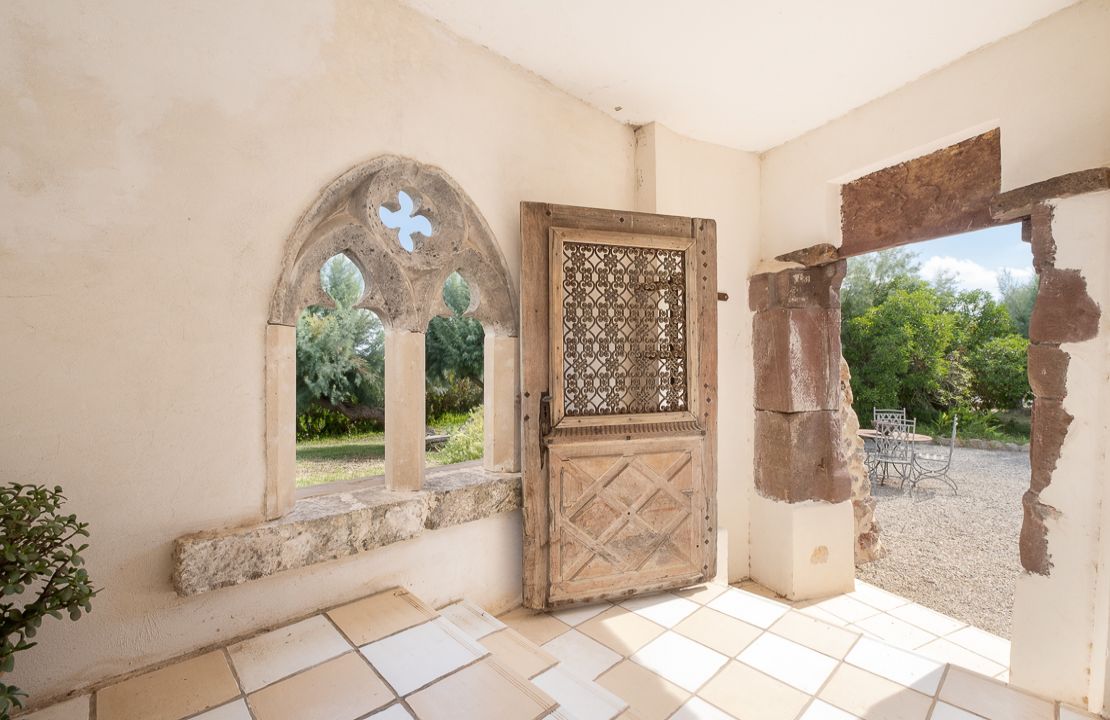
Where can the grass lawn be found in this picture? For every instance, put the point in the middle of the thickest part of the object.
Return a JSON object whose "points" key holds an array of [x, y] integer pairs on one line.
{"points": [[356, 456]]}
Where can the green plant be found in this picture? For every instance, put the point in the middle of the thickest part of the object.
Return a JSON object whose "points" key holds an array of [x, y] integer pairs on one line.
{"points": [[37, 555], [999, 368], [466, 444]]}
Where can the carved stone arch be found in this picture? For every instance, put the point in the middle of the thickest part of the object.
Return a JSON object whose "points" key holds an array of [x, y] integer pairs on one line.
{"points": [[358, 215]]}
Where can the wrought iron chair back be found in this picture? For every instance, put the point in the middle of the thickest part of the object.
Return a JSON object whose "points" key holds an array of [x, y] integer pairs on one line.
{"points": [[936, 465], [881, 417], [894, 442]]}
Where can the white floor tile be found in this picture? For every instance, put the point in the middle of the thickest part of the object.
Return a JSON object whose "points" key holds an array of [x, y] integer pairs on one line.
{"points": [[1067, 713], [679, 659], [471, 619], [992, 699], [415, 657], [901, 666], [581, 654], [877, 597], [947, 652], [895, 632], [279, 653], [578, 615], [665, 609], [785, 660], [824, 616], [75, 709], [926, 619], [578, 699], [944, 711], [236, 710], [982, 643], [750, 608], [698, 709], [821, 710], [846, 608], [393, 712]]}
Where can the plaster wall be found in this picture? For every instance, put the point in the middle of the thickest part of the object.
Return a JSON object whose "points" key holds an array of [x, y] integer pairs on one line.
{"points": [[680, 176], [154, 165], [1042, 87]]}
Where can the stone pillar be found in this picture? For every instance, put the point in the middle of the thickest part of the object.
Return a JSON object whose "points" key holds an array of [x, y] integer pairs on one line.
{"points": [[868, 545], [281, 420], [404, 410], [802, 535], [501, 396]]}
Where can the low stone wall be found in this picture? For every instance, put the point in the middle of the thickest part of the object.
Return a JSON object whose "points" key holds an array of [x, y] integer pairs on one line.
{"points": [[980, 444]]}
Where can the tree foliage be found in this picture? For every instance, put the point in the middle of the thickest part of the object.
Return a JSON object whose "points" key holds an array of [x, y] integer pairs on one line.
{"points": [[453, 344], [1018, 296], [38, 555], [1000, 370]]}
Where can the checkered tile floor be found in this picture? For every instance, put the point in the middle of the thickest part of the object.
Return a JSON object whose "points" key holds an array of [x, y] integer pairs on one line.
{"points": [[707, 653]]}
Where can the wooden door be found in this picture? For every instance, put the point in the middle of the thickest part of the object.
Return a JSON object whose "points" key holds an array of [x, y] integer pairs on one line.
{"points": [[618, 402]]}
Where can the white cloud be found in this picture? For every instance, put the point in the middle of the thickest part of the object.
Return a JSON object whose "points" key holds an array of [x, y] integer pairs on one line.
{"points": [[969, 274]]}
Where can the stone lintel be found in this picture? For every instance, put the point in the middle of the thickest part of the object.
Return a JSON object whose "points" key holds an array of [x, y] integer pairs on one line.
{"points": [[798, 359], [798, 457], [943, 193], [327, 527], [819, 254], [1019, 203]]}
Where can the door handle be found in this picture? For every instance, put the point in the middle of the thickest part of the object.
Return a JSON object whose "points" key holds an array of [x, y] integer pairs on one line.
{"points": [[544, 426]]}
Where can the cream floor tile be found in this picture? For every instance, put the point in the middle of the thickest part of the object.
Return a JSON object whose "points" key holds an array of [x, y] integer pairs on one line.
{"points": [[680, 660], [901, 666], [947, 652], [701, 594], [698, 709], [579, 699], [236, 710], [663, 608], [393, 712], [513, 650], [944, 711], [757, 589], [823, 615], [718, 631], [821, 710], [872, 697], [983, 643], [471, 619], [415, 657], [341, 689], [536, 626], [75, 709], [1004, 676], [581, 654], [789, 662], [482, 691], [894, 631], [749, 694], [815, 634], [577, 615], [282, 652], [926, 619], [179, 690], [649, 696], [877, 597], [991, 698], [752, 609], [846, 608], [621, 630], [377, 616], [1067, 713]]}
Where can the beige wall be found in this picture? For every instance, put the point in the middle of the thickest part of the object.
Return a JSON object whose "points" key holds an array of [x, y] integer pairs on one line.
{"points": [[679, 176], [1045, 87], [154, 163]]}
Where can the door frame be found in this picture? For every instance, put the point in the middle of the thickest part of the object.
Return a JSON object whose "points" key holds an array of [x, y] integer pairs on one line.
{"points": [[536, 223]]}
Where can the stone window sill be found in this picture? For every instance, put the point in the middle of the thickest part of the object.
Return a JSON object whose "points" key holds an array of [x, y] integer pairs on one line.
{"points": [[338, 521]]}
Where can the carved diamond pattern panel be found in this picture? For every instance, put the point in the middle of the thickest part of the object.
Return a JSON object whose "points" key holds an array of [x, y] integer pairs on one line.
{"points": [[623, 514], [624, 329]]}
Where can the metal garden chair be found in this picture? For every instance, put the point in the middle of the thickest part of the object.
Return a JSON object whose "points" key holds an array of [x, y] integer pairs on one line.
{"points": [[894, 448], [935, 466], [882, 416]]}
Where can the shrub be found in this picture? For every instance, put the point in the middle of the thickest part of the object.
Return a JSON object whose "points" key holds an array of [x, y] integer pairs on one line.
{"points": [[468, 443], [36, 555], [317, 423], [458, 395], [999, 371]]}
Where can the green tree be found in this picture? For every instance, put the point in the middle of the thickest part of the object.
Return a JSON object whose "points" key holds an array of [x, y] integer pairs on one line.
{"points": [[454, 344], [341, 351], [999, 368], [872, 277], [979, 318], [1018, 296]]}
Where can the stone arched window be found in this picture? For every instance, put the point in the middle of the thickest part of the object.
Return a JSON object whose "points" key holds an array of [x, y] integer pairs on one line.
{"points": [[406, 226]]}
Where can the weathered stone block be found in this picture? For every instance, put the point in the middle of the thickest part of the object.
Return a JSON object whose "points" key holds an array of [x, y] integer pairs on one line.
{"points": [[819, 254], [798, 457], [1033, 542], [1050, 424], [1048, 371], [1038, 227], [797, 359], [798, 288], [1018, 203], [1064, 312]]}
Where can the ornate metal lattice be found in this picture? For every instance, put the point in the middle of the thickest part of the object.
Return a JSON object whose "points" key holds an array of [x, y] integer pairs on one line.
{"points": [[624, 329]]}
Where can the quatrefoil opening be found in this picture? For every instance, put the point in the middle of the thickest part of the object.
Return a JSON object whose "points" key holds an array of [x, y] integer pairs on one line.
{"points": [[405, 220]]}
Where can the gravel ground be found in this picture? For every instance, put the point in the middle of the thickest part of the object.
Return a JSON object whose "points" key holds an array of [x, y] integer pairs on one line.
{"points": [[956, 554]]}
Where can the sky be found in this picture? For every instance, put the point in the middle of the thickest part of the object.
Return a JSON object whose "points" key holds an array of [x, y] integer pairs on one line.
{"points": [[976, 258]]}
